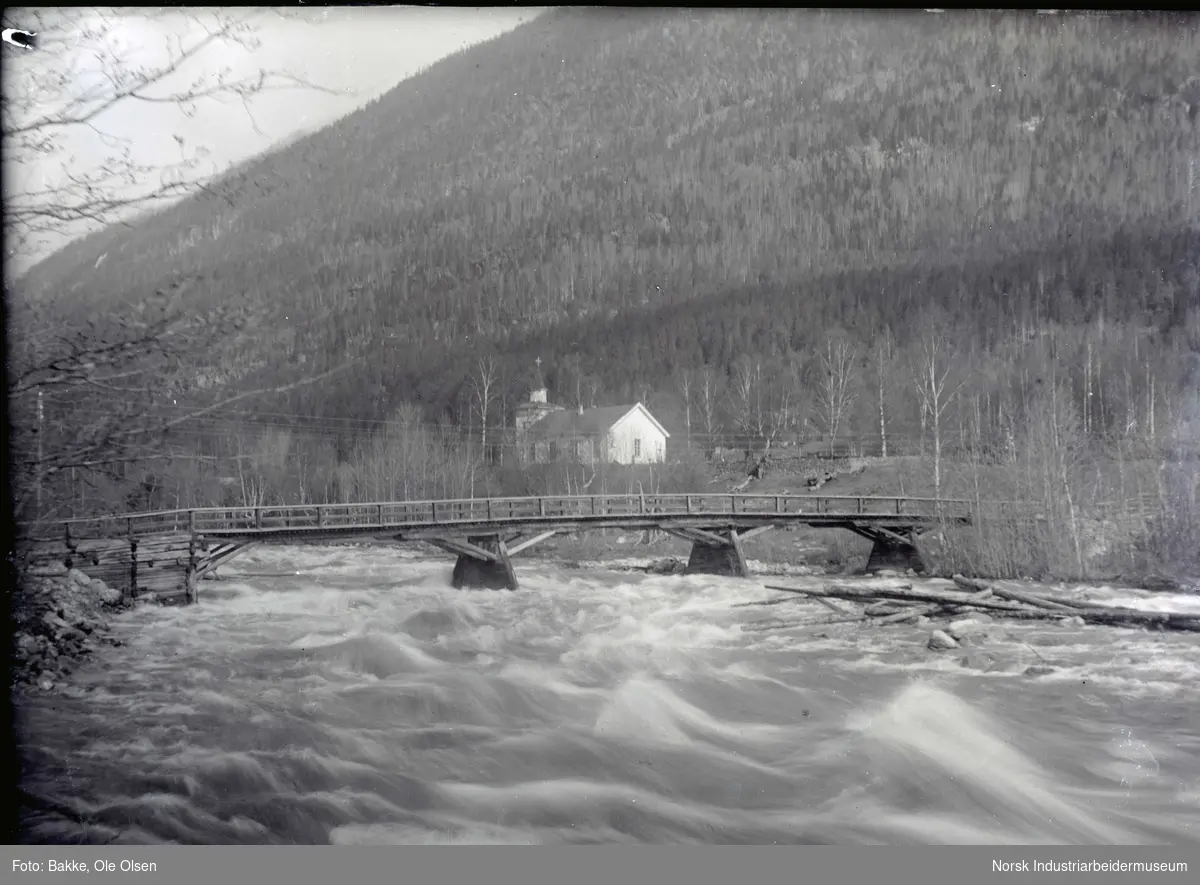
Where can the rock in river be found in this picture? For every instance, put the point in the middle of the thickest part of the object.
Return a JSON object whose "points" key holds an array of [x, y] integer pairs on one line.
{"points": [[939, 640]]}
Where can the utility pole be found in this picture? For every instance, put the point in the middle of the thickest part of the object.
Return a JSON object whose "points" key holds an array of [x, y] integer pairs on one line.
{"points": [[1192, 185], [41, 419]]}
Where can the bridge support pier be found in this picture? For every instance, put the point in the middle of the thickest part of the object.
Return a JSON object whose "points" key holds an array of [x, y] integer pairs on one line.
{"points": [[891, 550], [483, 563], [714, 554]]}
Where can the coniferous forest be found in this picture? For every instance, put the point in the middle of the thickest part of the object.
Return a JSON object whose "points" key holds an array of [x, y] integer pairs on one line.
{"points": [[937, 232]]}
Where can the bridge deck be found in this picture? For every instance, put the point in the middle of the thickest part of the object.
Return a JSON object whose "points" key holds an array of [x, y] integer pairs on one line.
{"points": [[414, 519], [167, 552]]}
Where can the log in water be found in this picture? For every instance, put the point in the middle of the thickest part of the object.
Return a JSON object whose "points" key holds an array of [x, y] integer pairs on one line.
{"points": [[1035, 609], [363, 700]]}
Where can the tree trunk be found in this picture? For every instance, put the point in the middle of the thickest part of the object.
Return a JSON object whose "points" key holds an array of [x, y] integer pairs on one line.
{"points": [[883, 449], [937, 453]]}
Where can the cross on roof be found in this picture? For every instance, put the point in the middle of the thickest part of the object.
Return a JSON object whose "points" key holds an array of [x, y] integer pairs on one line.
{"points": [[539, 362]]}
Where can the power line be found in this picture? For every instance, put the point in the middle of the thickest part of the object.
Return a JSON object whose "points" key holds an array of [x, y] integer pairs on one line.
{"points": [[222, 423], [242, 415], [224, 426]]}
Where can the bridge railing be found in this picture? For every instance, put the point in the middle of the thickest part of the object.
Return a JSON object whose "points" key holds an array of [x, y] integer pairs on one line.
{"points": [[489, 510], [392, 514]]}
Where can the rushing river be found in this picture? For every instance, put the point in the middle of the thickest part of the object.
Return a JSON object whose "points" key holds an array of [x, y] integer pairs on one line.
{"points": [[359, 699]]}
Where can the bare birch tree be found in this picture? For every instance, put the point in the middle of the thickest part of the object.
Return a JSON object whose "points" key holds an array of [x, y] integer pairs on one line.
{"points": [[708, 398], [747, 397], [571, 377], [787, 400], [262, 467], [836, 391], [935, 391], [883, 355], [687, 385], [591, 386], [483, 394], [781, 411], [764, 402]]}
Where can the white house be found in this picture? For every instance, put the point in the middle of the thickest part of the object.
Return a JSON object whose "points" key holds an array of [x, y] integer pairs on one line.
{"points": [[616, 434]]}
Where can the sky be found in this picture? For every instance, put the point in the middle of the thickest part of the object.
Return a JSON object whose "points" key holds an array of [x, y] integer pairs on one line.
{"points": [[353, 54]]}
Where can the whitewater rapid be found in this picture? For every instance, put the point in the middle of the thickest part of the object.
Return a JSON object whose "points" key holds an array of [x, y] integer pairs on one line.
{"points": [[348, 695]]}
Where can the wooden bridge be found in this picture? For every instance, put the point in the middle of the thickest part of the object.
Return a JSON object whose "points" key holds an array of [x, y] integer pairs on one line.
{"points": [[165, 553]]}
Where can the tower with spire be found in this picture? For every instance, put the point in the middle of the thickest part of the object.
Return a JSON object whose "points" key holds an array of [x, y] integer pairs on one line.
{"points": [[529, 413], [537, 383]]}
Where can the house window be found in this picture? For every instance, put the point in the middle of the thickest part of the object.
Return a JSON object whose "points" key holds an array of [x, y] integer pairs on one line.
{"points": [[659, 449], [533, 453], [553, 451], [637, 448]]}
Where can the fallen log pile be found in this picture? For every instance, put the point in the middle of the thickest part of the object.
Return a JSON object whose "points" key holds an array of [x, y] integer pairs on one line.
{"points": [[900, 603]]}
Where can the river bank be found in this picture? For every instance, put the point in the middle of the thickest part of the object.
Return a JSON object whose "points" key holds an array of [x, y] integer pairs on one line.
{"points": [[61, 617]]}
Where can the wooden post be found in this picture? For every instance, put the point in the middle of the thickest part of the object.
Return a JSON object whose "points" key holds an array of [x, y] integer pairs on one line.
{"points": [[378, 514], [688, 504], [192, 521], [541, 506], [489, 509], [190, 586], [133, 585], [320, 516], [593, 505], [70, 560], [739, 556], [433, 511], [506, 563], [778, 509], [258, 517]]}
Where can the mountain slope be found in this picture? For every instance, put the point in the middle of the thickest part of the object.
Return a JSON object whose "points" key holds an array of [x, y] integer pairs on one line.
{"points": [[598, 162], [1113, 293]]}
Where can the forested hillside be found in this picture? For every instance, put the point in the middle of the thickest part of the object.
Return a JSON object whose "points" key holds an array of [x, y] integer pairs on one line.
{"points": [[597, 161], [762, 223], [1109, 291]]}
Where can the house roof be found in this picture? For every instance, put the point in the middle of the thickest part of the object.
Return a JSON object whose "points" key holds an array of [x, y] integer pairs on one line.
{"points": [[589, 423], [536, 407]]}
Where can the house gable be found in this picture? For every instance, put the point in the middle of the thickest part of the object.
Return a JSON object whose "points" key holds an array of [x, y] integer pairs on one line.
{"points": [[638, 408]]}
